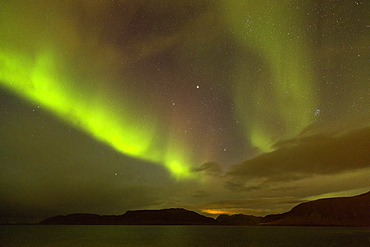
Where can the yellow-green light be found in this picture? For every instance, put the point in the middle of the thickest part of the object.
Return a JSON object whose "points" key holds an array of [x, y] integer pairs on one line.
{"points": [[40, 81], [283, 100]]}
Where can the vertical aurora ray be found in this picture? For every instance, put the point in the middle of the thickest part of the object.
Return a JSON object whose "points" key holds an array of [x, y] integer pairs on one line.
{"points": [[284, 95]]}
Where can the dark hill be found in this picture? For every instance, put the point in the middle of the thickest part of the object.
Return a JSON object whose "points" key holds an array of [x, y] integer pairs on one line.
{"points": [[173, 216], [340, 211], [238, 220]]}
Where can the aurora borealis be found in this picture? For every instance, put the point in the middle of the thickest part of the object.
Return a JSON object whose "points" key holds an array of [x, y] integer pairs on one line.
{"points": [[215, 106], [282, 46]]}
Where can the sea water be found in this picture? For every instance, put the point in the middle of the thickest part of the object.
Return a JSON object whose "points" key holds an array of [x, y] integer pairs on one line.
{"points": [[176, 236]]}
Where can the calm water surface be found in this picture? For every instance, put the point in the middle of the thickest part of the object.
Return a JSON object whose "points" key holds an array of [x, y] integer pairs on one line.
{"points": [[34, 235]]}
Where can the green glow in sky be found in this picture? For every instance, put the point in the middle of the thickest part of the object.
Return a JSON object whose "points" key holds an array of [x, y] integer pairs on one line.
{"points": [[41, 82], [285, 98], [40, 70]]}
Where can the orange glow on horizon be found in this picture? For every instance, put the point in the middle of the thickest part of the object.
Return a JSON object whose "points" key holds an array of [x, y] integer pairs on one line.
{"points": [[215, 211]]}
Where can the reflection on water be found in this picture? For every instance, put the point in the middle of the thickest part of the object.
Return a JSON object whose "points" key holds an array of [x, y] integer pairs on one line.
{"points": [[174, 236]]}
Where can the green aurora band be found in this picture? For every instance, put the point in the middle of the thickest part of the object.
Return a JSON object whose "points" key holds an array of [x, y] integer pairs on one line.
{"points": [[36, 68], [39, 47], [275, 31], [38, 81]]}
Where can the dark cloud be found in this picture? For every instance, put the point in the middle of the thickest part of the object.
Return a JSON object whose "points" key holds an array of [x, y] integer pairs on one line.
{"points": [[305, 156], [210, 168], [239, 186], [201, 194]]}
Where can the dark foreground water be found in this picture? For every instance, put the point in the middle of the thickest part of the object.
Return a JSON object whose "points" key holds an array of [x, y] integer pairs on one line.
{"points": [[34, 235]]}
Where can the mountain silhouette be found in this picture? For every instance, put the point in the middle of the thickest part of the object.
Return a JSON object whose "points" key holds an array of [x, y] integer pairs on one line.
{"points": [[172, 216], [340, 211], [239, 220]]}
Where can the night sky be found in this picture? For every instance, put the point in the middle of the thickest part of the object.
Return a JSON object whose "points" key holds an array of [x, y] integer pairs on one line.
{"points": [[216, 106]]}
